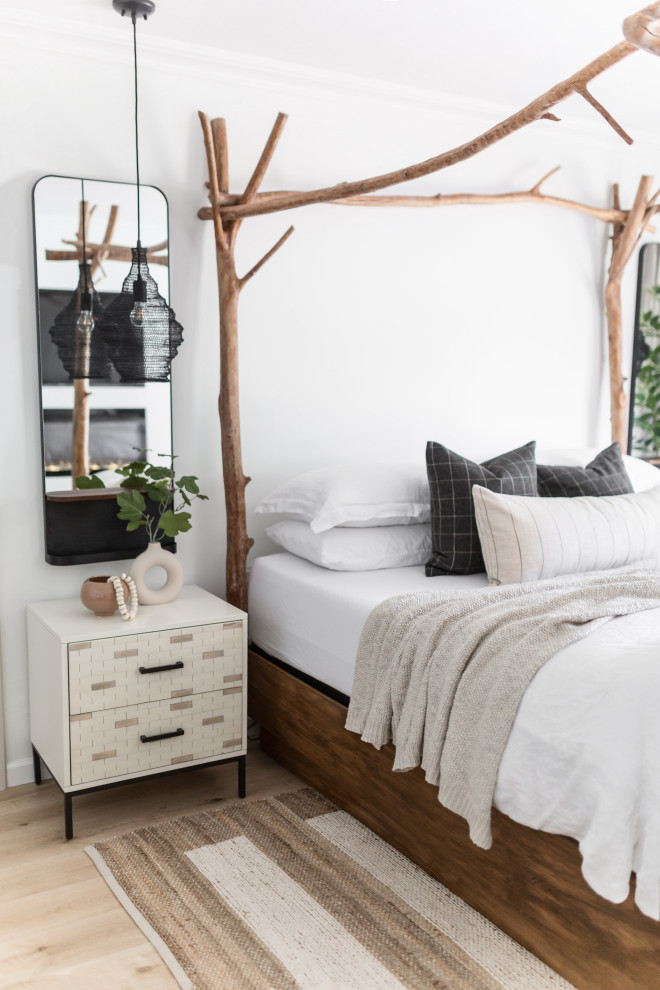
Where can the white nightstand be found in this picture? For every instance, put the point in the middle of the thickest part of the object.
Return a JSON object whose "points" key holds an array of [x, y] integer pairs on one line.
{"points": [[112, 701]]}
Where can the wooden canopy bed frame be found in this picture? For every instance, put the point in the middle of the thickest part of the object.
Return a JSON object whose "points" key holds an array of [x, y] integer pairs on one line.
{"points": [[529, 884]]}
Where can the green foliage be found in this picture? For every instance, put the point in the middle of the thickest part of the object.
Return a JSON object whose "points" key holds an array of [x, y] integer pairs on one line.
{"points": [[92, 482], [144, 483], [647, 390]]}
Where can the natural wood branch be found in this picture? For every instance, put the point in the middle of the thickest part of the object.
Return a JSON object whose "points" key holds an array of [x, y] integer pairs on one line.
{"points": [[114, 253], [84, 214], [214, 187], [633, 229], [617, 227], [261, 167], [536, 188], [80, 443], [219, 131], [592, 101], [622, 248], [532, 112], [643, 29], [102, 254], [451, 199], [269, 254]]}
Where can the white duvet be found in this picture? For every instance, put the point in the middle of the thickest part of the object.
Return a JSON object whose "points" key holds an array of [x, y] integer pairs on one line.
{"points": [[583, 758]]}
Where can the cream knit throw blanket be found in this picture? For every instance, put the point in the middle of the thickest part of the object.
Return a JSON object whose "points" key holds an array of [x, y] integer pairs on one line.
{"points": [[442, 674]]}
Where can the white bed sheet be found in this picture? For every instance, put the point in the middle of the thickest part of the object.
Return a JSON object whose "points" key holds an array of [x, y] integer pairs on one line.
{"points": [[583, 757]]}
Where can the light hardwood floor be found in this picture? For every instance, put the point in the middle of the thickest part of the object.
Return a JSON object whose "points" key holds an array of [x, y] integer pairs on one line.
{"points": [[60, 927]]}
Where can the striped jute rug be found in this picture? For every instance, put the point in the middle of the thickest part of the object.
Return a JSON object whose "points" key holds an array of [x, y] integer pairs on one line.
{"points": [[289, 893]]}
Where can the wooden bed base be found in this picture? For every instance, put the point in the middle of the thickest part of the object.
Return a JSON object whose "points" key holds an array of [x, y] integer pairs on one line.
{"points": [[529, 884]]}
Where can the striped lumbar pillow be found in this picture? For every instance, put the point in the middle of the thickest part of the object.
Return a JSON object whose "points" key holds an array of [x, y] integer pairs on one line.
{"points": [[525, 539]]}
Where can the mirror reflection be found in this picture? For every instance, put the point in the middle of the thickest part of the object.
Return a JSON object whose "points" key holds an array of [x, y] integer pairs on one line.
{"points": [[92, 421]]}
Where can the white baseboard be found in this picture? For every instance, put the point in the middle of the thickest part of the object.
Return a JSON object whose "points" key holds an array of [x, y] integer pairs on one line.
{"points": [[22, 772]]}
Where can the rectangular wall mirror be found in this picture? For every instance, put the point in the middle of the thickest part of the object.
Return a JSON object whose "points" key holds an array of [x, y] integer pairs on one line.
{"points": [[113, 419], [644, 415]]}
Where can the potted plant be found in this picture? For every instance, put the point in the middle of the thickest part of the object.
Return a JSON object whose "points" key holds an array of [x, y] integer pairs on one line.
{"points": [[146, 485]]}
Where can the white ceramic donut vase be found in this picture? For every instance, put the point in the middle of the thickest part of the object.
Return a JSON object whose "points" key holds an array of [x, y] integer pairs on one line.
{"points": [[155, 556]]}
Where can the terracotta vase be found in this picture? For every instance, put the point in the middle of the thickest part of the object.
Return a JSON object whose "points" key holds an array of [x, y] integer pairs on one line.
{"points": [[155, 556], [99, 596]]}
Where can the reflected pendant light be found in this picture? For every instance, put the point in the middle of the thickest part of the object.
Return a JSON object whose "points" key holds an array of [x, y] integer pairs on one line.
{"points": [[139, 329], [80, 348]]}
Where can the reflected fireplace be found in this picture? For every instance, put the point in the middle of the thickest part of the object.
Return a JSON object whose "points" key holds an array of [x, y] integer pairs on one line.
{"points": [[115, 437]]}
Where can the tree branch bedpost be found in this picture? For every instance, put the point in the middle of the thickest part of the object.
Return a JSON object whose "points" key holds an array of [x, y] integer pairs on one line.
{"points": [[625, 238], [229, 289]]}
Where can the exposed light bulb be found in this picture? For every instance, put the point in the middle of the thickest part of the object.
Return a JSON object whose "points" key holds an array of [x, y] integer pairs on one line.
{"points": [[85, 322], [138, 312], [137, 315]]}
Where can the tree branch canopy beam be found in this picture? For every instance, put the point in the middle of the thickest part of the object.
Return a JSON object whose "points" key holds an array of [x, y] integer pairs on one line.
{"points": [[532, 112]]}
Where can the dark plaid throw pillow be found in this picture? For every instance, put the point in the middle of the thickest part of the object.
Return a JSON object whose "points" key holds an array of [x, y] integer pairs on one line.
{"points": [[456, 547], [605, 475]]}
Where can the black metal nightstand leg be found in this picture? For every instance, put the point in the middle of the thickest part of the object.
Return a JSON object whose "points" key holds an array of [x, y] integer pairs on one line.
{"points": [[68, 816], [36, 759], [241, 776]]}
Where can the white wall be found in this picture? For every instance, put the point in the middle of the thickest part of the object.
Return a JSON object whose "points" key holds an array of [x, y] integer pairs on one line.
{"points": [[369, 333]]}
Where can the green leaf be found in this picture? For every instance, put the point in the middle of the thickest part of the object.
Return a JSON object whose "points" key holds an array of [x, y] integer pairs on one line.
{"points": [[131, 500], [185, 497], [189, 482], [173, 523], [158, 493], [158, 473], [93, 481], [134, 524], [133, 481]]}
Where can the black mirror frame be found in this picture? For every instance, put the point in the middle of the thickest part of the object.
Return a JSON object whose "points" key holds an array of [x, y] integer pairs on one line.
{"points": [[85, 529]]}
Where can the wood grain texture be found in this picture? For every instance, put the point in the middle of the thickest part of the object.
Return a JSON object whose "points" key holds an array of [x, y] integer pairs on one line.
{"points": [[60, 926], [529, 884]]}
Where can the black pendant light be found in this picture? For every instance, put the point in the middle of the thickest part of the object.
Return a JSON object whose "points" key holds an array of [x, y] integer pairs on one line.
{"points": [[139, 329], [81, 350]]}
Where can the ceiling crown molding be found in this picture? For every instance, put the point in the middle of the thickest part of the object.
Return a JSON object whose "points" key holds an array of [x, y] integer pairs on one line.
{"points": [[47, 32]]}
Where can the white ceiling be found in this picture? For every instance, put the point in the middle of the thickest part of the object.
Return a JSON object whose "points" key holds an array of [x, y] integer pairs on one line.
{"points": [[504, 52]]}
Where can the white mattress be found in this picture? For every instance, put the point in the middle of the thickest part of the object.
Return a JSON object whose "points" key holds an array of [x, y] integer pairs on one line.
{"points": [[583, 757]]}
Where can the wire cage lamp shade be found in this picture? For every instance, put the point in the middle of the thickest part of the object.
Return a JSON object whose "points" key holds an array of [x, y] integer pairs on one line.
{"points": [[138, 328], [80, 348]]}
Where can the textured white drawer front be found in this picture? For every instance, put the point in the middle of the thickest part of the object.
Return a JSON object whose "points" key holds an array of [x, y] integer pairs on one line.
{"points": [[105, 673], [107, 743]]}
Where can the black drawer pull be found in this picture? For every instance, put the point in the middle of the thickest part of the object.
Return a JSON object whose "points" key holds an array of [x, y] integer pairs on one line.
{"points": [[165, 735], [157, 670]]}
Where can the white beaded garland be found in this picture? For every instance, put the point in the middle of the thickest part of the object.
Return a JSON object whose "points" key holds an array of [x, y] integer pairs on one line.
{"points": [[125, 613]]}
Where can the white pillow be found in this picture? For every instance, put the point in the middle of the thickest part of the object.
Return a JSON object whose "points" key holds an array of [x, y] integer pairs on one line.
{"points": [[525, 539], [642, 474], [355, 495], [343, 549]]}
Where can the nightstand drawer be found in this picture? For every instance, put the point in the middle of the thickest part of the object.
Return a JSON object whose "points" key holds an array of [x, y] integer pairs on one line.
{"points": [[112, 743], [169, 664]]}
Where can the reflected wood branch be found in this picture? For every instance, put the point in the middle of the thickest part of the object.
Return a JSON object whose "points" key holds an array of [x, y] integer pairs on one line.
{"points": [[114, 253]]}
